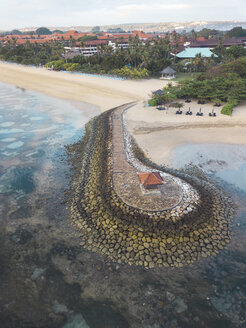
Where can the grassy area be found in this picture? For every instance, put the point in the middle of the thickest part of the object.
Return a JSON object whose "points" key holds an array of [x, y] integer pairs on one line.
{"points": [[185, 76]]}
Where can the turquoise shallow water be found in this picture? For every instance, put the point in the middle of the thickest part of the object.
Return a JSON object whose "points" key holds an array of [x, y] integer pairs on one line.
{"points": [[48, 280], [33, 131]]}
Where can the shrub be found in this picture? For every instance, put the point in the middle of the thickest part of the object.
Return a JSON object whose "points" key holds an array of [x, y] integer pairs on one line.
{"points": [[133, 73], [228, 108], [58, 65], [153, 102], [177, 105], [74, 67]]}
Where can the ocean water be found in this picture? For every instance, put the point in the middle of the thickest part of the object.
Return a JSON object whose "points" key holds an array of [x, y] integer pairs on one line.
{"points": [[48, 280], [227, 162]]}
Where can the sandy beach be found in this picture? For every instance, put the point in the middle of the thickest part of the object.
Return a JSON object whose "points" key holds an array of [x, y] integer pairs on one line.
{"points": [[103, 92], [159, 132]]}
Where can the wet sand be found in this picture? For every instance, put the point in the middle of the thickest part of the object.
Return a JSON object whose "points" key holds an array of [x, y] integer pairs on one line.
{"points": [[159, 132]]}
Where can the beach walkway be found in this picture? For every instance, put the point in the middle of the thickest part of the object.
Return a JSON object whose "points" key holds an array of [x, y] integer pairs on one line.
{"points": [[125, 176]]}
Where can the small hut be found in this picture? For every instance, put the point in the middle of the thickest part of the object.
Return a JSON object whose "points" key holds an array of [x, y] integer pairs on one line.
{"points": [[150, 180], [168, 73], [158, 92]]}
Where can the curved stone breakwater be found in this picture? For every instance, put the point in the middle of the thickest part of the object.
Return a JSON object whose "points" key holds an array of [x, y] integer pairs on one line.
{"points": [[197, 227]]}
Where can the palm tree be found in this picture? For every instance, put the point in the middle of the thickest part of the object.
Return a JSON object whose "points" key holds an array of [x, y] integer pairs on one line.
{"points": [[72, 41], [193, 34]]}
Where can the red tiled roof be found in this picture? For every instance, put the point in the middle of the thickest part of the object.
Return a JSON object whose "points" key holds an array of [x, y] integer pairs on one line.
{"points": [[71, 32], [150, 179], [141, 35], [215, 42], [95, 42], [20, 41], [201, 38]]}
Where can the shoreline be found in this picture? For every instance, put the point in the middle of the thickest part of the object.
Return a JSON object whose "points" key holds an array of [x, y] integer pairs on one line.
{"points": [[148, 126], [103, 92], [158, 133]]}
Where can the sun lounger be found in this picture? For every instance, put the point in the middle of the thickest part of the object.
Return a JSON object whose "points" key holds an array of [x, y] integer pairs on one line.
{"points": [[199, 113], [213, 114]]}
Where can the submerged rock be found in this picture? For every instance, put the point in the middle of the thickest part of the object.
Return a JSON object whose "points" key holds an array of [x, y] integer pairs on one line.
{"points": [[180, 305], [37, 273], [76, 321]]}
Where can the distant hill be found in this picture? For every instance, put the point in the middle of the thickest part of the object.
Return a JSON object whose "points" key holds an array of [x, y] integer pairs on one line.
{"points": [[154, 27]]}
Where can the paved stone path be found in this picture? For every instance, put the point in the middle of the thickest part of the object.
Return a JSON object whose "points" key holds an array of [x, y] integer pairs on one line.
{"points": [[125, 179]]}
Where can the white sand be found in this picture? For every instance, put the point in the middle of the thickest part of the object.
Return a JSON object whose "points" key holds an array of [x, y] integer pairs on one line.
{"points": [[100, 91], [159, 132]]}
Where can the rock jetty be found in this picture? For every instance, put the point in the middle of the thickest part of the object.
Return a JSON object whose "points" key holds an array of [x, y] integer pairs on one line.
{"points": [[195, 226]]}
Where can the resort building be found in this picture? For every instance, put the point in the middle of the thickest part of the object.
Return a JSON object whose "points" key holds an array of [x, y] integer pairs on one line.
{"points": [[87, 44], [90, 48], [122, 44], [189, 53], [212, 43]]}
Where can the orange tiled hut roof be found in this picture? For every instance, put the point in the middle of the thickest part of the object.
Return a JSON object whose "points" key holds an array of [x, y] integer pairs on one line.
{"points": [[150, 179]]}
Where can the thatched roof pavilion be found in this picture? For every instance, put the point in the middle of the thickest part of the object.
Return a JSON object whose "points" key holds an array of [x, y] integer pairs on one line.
{"points": [[168, 73]]}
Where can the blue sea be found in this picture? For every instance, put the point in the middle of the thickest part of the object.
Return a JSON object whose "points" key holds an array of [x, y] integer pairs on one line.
{"points": [[48, 280]]}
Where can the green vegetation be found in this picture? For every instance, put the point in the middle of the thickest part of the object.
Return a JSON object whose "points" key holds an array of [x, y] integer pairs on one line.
{"points": [[209, 77], [226, 55], [133, 73], [225, 83], [31, 54], [15, 32], [125, 72], [43, 31], [185, 76], [177, 105], [163, 99], [95, 29], [137, 62], [58, 31], [207, 32], [228, 108], [88, 38], [236, 32], [152, 57]]}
